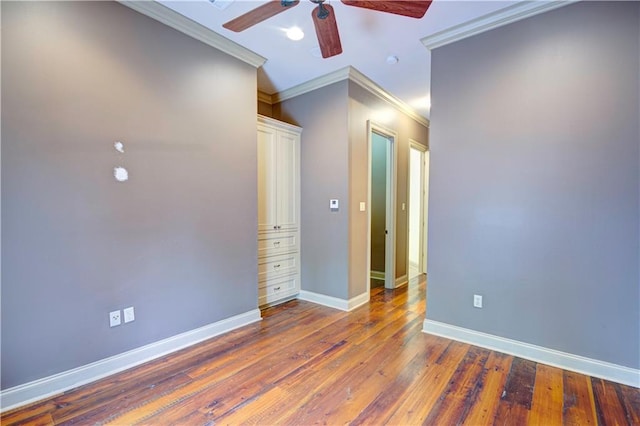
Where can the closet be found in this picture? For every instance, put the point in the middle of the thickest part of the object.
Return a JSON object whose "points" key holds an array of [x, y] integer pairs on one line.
{"points": [[278, 211]]}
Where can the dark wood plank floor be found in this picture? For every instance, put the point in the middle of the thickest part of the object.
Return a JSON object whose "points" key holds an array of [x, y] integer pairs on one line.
{"points": [[307, 364]]}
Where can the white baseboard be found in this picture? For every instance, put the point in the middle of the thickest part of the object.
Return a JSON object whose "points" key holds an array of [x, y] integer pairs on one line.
{"points": [[58, 383], [334, 302], [356, 302], [564, 360], [400, 281]]}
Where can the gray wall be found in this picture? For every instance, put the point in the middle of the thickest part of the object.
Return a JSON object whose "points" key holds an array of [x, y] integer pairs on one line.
{"points": [[324, 174], [175, 241], [534, 181]]}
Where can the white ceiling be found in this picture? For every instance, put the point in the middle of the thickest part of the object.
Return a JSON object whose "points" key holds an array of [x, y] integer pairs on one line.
{"points": [[368, 38]]}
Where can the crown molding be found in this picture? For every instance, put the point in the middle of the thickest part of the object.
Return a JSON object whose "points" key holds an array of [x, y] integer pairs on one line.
{"points": [[492, 20], [163, 14], [316, 83], [367, 84], [265, 97], [352, 74]]}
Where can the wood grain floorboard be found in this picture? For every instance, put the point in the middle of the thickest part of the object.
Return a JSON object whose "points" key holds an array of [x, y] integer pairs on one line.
{"points": [[484, 409], [548, 397], [609, 409], [578, 403], [307, 364], [515, 403]]}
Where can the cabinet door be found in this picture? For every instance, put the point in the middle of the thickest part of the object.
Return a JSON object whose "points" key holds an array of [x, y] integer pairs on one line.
{"points": [[288, 180], [267, 180]]}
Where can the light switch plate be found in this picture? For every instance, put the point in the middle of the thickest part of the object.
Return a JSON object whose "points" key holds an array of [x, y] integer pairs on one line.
{"points": [[334, 204], [363, 206], [129, 314]]}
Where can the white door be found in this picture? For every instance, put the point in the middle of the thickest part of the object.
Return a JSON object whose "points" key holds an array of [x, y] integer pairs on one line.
{"points": [[267, 183], [390, 240], [425, 217], [287, 176], [417, 211]]}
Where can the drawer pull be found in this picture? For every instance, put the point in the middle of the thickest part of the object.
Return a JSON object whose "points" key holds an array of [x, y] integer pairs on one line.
{"points": [[276, 266], [276, 243], [276, 288]]}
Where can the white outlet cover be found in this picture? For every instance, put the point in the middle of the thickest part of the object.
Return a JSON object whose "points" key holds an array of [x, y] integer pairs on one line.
{"points": [[477, 301], [114, 318]]}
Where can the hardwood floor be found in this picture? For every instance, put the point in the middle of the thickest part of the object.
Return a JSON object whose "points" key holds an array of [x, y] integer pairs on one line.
{"points": [[307, 364]]}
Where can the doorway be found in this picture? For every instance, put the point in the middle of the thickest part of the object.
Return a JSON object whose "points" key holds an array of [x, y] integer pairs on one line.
{"points": [[381, 212], [418, 198]]}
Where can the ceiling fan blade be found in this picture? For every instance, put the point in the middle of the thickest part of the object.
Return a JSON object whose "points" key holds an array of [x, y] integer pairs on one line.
{"points": [[259, 14], [327, 32], [411, 8]]}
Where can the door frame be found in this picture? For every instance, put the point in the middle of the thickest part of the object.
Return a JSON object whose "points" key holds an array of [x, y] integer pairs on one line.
{"points": [[424, 191], [390, 239]]}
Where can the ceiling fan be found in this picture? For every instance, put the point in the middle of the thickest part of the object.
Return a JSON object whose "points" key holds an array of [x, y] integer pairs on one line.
{"points": [[324, 18]]}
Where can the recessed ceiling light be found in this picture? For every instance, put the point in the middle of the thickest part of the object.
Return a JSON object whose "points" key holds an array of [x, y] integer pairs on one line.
{"points": [[295, 33], [392, 59]]}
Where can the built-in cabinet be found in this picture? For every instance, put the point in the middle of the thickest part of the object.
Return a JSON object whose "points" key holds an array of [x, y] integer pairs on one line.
{"points": [[278, 210]]}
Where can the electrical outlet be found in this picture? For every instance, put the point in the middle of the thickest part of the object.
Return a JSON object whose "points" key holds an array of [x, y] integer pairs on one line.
{"points": [[477, 301], [129, 314], [114, 318]]}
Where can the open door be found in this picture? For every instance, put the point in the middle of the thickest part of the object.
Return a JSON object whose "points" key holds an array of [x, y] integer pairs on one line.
{"points": [[382, 178], [417, 223]]}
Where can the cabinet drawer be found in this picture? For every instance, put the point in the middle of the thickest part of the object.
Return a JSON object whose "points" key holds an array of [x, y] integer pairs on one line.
{"points": [[277, 289], [277, 242], [277, 266]]}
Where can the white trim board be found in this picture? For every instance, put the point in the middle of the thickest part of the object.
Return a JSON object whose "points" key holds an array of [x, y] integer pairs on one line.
{"points": [[517, 12], [377, 275], [173, 19], [403, 280], [334, 302], [264, 97], [564, 360], [58, 383]]}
